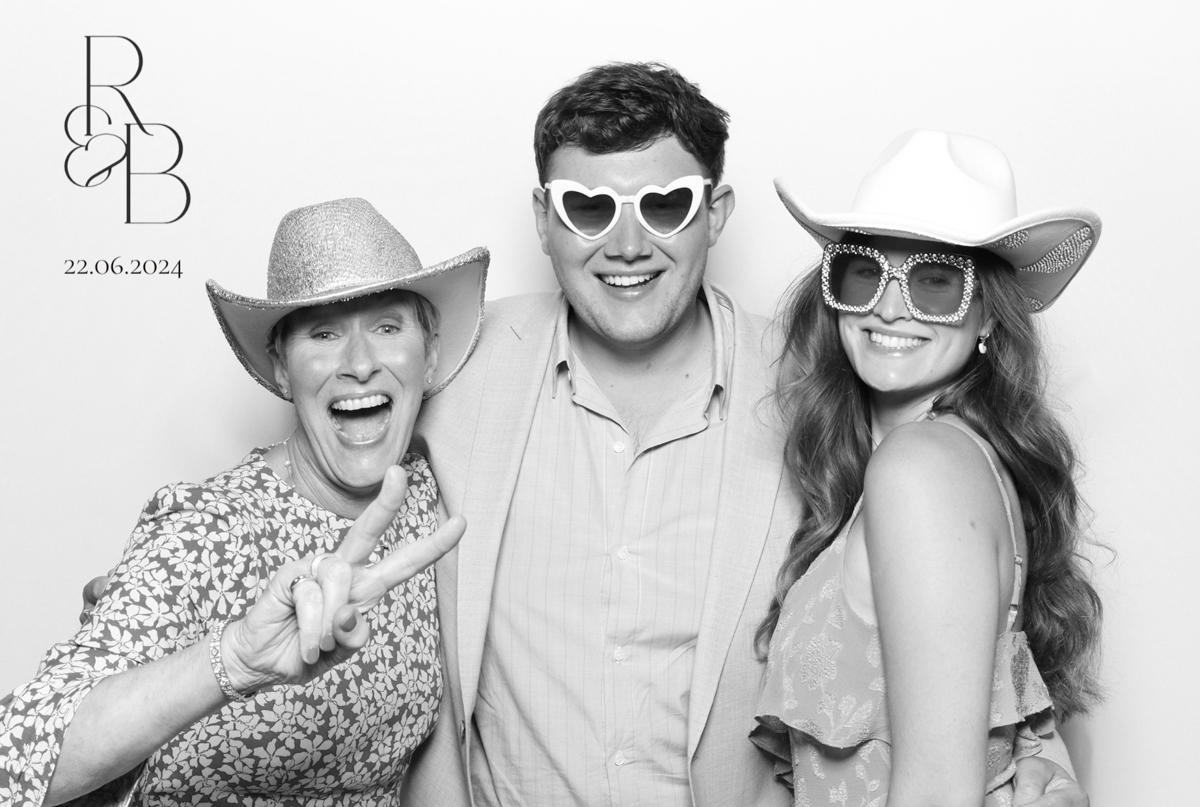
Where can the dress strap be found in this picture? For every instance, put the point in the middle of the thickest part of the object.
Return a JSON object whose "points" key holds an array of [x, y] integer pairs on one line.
{"points": [[1014, 604]]}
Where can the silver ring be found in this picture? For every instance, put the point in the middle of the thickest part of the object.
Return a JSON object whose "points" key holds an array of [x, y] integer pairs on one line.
{"points": [[312, 566], [300, 579]]}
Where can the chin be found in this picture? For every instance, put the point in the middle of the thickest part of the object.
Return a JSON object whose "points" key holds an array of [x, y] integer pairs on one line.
{"points": [[640, 328], [891, 382], [632, 337], [366, 473], [882, 379]]}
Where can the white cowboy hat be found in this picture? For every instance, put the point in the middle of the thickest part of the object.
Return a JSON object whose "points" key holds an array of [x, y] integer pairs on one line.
{"points": [[340, 250], [959, 190]]}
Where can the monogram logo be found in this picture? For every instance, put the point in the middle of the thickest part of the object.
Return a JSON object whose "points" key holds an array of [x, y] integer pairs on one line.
{"points": [[103, 142]]}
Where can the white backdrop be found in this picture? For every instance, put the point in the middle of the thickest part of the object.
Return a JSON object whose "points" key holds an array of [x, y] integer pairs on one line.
{"points": [[116, 385]]}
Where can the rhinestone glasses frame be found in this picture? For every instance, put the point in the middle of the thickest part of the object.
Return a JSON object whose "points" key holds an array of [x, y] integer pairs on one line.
{"points": [[900, 274]]}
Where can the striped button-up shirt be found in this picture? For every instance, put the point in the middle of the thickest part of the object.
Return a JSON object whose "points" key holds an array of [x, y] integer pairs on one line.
{"points": [[587, 666]]}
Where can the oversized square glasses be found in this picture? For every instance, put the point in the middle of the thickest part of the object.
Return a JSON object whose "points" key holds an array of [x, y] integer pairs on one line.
{"points": [[592, 212], [937, 287]]}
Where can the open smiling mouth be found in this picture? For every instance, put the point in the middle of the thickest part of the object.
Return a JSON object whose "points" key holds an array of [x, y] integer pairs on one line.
{"points": [[361, 420], [628, 281], [895, 342]]}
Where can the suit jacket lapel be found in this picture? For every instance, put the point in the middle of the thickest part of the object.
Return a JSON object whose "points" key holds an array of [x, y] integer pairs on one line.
{"points": [[516, 367], [749, 485]]}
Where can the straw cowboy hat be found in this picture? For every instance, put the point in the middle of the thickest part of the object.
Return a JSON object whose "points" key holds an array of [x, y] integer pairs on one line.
{"points": [[959, 190], [340, 250]]}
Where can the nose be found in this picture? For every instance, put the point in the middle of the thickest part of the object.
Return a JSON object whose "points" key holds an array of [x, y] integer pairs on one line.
{"points": [[358, 357], [891, 305], [628, 239]]}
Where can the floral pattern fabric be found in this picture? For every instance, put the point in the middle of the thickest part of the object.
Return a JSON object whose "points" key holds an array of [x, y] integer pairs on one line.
{"points": [[202, 554], [823, 710]]}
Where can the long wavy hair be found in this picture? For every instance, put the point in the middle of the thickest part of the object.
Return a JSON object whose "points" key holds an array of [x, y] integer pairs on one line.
{"points": [[1002, 396]]}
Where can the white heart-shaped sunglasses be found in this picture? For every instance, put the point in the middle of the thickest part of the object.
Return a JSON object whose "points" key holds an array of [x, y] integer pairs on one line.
{"points": [[592, 212]]}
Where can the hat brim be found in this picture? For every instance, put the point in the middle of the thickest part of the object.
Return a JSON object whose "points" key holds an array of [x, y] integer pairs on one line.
{"points": [[1047, 248], [456, 287]]}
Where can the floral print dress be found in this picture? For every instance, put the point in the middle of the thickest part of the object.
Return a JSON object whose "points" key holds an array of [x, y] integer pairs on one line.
{"points": [[823, 709], [202, 554]]}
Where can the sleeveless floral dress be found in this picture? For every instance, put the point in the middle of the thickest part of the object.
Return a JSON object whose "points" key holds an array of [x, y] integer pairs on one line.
{"points": [[823, 709], [202, 554]]}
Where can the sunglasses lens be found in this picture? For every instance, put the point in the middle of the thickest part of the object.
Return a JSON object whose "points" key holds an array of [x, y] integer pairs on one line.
{"points": [[936, 288], [666, 212], [853, 279], [589, 214]]}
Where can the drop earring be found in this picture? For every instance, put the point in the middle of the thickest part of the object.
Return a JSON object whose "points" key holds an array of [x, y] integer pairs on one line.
{"points": [[983, 337]]}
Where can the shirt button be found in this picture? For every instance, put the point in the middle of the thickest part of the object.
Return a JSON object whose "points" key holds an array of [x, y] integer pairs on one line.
{"points": [[623, 553], [618, 446], [619, 654], [619, 759]]}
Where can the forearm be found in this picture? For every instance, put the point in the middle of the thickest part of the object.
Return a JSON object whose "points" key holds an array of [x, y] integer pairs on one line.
{"points": [[924, 790], [127, 717]]}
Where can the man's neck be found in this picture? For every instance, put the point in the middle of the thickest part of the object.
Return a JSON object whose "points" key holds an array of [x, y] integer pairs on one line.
{"points": [[642, 381]]}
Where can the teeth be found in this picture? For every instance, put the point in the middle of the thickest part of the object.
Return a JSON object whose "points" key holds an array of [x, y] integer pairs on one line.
{"points": [[626, 280], [894, 342], [365, 402]]}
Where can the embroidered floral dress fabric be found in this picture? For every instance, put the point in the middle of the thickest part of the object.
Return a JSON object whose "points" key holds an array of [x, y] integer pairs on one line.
{"points": [[202, 554], [823, 710]]}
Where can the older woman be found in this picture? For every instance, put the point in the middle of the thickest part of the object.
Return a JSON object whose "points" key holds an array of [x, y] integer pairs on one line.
{"points": [[270, 635], [933, 599]]}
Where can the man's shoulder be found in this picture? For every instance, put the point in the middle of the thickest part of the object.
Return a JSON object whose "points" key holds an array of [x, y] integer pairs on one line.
{"points": [[518, 327], [723, 298], [752, 331], [520, 307]]}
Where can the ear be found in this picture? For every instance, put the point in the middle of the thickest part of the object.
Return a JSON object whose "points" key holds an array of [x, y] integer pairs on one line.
{"points": [[281, 376], [989, 324], [720, 208], [431, 360], [541, 217]]}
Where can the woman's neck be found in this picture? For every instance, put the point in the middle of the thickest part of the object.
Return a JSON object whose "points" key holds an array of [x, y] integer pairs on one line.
{"points": [[300, 471], [889, 411]]}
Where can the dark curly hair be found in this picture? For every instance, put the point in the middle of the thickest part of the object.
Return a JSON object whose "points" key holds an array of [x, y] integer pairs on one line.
{"points": [[626, 106], [1002, 396]]}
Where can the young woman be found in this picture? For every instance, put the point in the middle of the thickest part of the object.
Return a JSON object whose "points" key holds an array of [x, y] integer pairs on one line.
{"points": [[933, 601]]}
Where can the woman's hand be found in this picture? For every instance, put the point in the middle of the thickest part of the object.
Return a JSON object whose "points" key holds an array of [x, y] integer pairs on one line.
{"points": [[302, 626]]}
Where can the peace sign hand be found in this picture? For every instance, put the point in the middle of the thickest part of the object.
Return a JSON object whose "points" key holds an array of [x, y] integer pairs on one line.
{"points": [[309, 619]]}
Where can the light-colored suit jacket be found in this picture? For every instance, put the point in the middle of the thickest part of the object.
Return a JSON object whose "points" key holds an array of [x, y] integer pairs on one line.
{"points": [[474, 433]]}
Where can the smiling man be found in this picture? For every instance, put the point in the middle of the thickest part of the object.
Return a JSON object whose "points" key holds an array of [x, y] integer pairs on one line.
{"points": [[626, 502], [638, 321], [626, 494]]}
